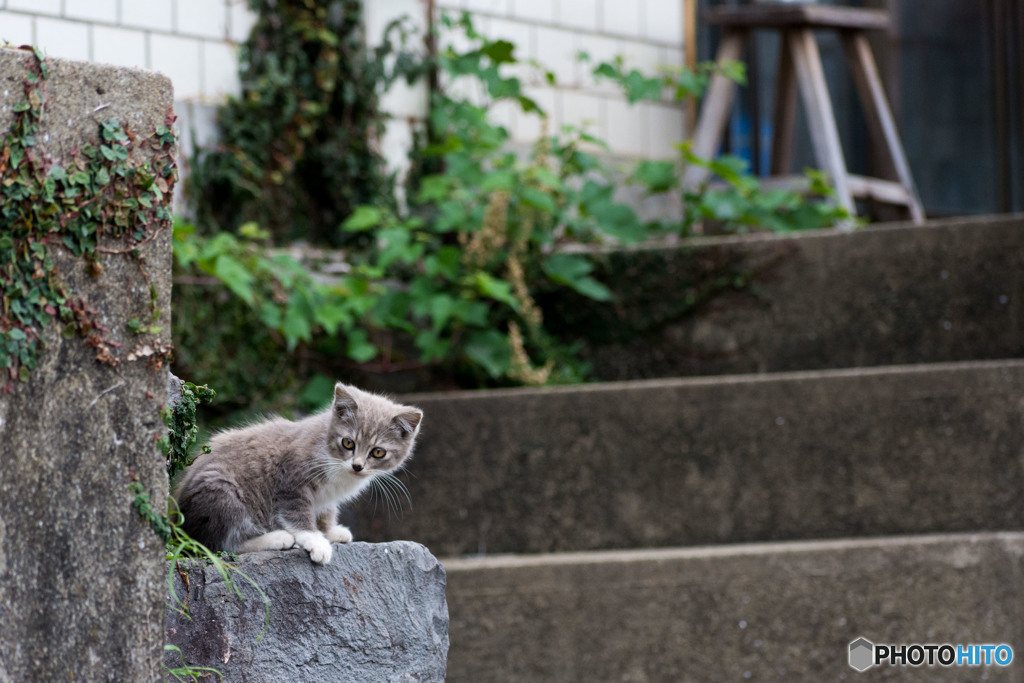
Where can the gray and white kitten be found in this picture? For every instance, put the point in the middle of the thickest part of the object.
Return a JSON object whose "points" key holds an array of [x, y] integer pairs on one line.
{"points": [[278, 484]]}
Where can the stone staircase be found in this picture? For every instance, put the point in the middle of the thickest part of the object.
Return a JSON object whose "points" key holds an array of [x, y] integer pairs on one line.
{"points": [[750, 526]]}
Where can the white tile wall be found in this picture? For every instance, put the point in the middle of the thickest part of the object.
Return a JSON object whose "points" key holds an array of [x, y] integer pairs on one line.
{"points": [[179, 58], [36, 6], [91, 10], [668, 127], [582, 109], [627, 128], [124, 47], [556, 49], [643, 56], [663, 21], [489, 6], [406, 101], [17, 28], [60, 38], [240, 20], [396, 144], [540, 11], [192, 41], [203, 18], [583, 15], [501, 113], [621, 17], [527, 127], [220, 70], [153, 14], [647, 33]]}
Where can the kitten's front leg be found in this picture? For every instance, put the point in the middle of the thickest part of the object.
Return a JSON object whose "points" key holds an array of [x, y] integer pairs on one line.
{"points": [[316, 544], [335, 533], [300, 521]]}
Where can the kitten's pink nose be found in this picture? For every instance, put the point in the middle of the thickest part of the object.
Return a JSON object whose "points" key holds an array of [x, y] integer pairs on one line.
{"points": [[357, 467]]}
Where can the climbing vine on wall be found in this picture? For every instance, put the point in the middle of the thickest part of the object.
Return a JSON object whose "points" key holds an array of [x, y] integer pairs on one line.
{"points": [[296, 150], [104, 192]]}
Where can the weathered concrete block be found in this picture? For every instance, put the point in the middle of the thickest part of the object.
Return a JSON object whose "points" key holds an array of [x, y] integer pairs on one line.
{"points": [[663, 463], [949, 290], [784, 611], [375, 613], [81, 575]]}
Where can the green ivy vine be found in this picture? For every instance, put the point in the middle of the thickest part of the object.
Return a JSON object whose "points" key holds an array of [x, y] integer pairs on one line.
{"points": [[104, 192], [296, 150]]}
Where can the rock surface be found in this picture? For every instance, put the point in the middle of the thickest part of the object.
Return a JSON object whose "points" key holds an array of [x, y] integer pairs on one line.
{"points": [[376, 613], [81, 575]]}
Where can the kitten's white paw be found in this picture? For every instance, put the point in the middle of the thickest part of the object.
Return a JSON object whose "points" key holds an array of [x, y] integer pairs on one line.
{"points": [[339, 534], [316, 544], [273, 540], [279, 540]]}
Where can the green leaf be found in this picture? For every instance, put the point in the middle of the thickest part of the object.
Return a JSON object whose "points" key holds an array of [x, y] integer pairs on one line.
{"points": [[494, 288], [656, 176], [233, 274], [638, 87], [318, 392], [538, 199], [431, 346], [573, 271], [489, 349], [445, 263], [500, 52], [331, 315], [434, 188], [359, 347], [298, 320], [498, 180], [564, 268], [251, 230], [364, 218]]}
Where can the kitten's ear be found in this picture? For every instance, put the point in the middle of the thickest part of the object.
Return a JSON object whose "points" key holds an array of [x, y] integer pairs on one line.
{"points": [[344, 402], [408, 423]]}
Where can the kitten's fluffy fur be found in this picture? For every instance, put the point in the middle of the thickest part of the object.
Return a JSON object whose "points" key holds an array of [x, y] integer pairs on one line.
{"points": [[278, 484]]}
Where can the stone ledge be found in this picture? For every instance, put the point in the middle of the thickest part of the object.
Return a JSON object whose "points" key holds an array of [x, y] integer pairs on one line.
{"points": [[785, 611], [945, 291], [676, 462], [377, 612]]}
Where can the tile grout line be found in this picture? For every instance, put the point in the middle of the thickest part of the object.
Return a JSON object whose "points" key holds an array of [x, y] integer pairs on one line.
{"points": [[123, 26]]}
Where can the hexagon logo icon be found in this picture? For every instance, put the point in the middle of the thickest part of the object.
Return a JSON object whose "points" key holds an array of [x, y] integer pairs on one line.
{"points": [[862, 654]]}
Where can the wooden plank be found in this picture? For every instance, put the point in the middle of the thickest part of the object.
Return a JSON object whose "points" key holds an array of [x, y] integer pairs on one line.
{"points": [[820, 117], [885, 191], [690, 58], [861, 187], [784, 116], [879, 117], [797, 16], [714, 114]]}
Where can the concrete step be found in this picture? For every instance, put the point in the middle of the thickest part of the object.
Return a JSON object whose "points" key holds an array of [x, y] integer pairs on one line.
{"points": [[786, 611], [665, 463], [950, 290]]}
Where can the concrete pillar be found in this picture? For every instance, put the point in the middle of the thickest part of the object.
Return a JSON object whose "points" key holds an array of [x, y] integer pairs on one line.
{"points": [[82, 586]]}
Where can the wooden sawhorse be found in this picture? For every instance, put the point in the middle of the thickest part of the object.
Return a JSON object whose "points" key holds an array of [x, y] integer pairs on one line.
{"points": [[800, 66]]}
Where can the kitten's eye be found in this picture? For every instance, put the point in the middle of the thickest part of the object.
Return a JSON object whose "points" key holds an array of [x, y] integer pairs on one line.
{"points": [[378, 452], [348, 444]]}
